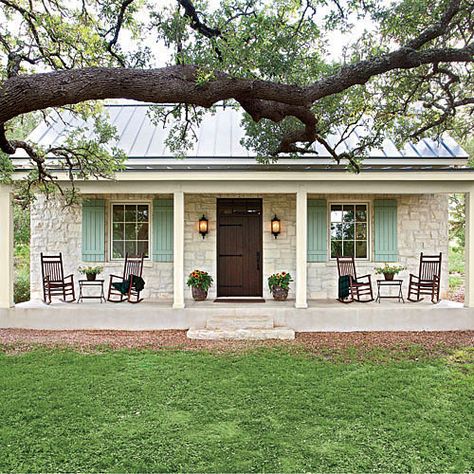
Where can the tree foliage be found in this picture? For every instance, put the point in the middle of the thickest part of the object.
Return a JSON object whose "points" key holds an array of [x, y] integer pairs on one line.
{"points": [[406, 74]]}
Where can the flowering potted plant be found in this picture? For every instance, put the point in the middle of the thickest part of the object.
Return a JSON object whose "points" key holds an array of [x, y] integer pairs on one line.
{"points": [[389, 271], [279, 284], [91, 272], [200, 282]]}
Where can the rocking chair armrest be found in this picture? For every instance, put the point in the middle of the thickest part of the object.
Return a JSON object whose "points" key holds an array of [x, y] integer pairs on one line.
{"points": [[368, 276], [71, 277], [414, 276], [116, 276]]}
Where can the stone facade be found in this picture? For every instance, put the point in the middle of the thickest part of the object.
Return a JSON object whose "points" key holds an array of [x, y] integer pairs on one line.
{"points": [[55, 228], [422, 226], [278, 254]]}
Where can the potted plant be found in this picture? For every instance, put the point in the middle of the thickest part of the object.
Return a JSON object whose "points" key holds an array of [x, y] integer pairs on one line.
{"points": [[279, 284], [389, 271], [200, 282], [90, 272]]}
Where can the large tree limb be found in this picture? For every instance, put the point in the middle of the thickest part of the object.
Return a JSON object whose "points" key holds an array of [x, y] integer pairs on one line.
{"points": [[177, 84]]}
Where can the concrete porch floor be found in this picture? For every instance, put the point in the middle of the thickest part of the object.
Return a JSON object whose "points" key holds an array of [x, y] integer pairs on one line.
{"points": [[321, 315]]}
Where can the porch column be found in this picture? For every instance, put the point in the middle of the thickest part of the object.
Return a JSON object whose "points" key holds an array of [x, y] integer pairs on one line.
{"points": [[178, 249], [469, 251], [301, 248], [6, 247]]}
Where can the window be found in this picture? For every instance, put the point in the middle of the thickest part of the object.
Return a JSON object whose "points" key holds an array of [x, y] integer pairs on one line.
{"points": [[349, 230], [130, 230]]}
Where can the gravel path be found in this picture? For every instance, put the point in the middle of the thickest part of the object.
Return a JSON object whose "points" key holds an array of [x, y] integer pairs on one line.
{"points": [[432, 342]]}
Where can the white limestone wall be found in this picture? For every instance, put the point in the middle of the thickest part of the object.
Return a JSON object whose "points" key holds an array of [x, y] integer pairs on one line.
{"points": [[422, 227], [278, 254], [55, 228]]}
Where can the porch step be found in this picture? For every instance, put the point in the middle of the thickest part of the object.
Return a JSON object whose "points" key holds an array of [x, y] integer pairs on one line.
{"points": [[256, 334], [240, 322]]}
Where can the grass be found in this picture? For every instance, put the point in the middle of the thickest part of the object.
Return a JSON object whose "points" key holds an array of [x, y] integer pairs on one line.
{"points": [[261, 410]]}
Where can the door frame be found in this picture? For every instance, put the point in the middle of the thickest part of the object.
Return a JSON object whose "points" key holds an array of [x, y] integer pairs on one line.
{"points": [[259, 242]]}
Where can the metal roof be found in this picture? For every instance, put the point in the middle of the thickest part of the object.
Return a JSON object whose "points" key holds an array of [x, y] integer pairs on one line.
{"points": [[217, 145]]}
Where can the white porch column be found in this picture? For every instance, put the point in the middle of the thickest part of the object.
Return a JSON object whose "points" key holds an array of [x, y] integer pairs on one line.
{"points": [[6, 247], [469, 251], [301, 246], [178, 249]]}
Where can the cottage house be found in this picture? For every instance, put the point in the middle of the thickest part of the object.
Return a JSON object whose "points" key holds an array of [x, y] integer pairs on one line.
{"points": [[394, 209]]}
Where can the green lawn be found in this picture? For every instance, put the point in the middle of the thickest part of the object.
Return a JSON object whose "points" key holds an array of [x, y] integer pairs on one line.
{"points": [[263, 410]]}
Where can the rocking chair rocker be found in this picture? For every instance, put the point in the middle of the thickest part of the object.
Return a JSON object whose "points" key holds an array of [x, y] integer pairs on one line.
{"points": [[427, 282], [54, 281], [133, 267], [358, 286]]}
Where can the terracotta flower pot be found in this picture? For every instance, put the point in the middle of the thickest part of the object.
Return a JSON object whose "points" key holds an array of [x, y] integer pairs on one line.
{"points": [[279, 293], [91, 276], [199, 294], [389, 276]]}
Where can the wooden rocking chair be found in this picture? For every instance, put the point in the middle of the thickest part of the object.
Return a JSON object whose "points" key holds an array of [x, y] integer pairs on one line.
{"points": [[133, 266], [427, 282], [54, 281], [358, 286]]}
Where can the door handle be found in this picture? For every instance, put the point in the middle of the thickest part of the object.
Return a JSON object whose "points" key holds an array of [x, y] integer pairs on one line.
{"points": [[258, 260]]}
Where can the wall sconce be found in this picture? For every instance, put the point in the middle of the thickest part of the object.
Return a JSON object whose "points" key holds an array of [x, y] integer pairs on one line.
{"points": [[203, 226], [275, 226]]}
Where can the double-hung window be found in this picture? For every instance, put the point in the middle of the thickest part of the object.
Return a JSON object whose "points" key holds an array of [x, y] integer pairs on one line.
{"points": [[130, 230], [349, 230]]}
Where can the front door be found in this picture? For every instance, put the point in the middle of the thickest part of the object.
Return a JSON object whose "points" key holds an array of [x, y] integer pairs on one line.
{"points": [[239, 247]]}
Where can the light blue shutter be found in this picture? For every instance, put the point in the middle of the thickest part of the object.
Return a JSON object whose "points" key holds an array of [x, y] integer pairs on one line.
{"points": [[163, 230], [93, 231], [385, 236], [317, 230]]}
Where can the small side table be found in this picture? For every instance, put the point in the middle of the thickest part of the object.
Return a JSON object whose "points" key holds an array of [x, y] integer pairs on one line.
{"points": [[99, 284], [382, 283]]}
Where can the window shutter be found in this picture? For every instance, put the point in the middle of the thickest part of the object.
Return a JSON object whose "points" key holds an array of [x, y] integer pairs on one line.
{"points": [[93, 230], [317, 230], [385, 237], [163, 230]]}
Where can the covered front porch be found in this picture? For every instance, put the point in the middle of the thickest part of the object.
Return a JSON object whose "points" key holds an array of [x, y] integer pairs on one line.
{"points": [[305, 310]]}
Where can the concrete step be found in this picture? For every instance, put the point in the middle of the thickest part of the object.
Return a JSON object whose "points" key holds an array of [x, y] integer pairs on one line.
{"points": [[240, 322], [242, 334]]}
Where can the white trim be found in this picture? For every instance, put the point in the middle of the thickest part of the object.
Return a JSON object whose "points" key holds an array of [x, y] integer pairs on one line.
{"points": [[369, 227], [147, 202], [301, 279]]}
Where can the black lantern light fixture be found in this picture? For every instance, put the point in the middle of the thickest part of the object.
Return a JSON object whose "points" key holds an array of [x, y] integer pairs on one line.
{"points": [[203, 226], [276, 229]]}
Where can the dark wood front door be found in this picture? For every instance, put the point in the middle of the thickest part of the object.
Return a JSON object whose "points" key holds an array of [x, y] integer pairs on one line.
{"points": [[239, 247]]}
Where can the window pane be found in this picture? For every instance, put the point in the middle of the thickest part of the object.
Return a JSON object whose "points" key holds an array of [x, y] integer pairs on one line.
{"points": [[130, 232], [361, 231], [142, 231], [361, 213], [130, 213], [336, 231], [348, 231], [348, 213], [361, 249], [118, 249], [142, 213], [142, 248], [336, 213], [336, 249], [118, 213], [348, 249], [131, 248], [119, 232]]}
